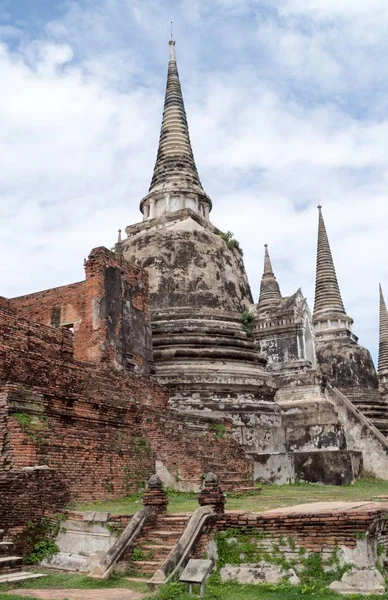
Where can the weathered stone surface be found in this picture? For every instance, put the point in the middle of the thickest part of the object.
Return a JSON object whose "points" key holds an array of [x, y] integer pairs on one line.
{"points": [[258, 573], [331, 467], [360, 581], [345, 364]]}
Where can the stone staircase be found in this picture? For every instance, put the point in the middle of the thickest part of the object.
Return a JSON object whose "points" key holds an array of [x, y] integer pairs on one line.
{"points": [[155, 544], [238, 482], [371, 404], [11, 566]]}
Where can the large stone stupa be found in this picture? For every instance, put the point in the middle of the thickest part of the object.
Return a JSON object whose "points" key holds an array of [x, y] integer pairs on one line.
{"points": [[198, 284]]}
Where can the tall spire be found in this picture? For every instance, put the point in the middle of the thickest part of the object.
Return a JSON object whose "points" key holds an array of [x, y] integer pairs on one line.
{"points": [[327, 293], [175, 182], [269, 288], [383, 340], [175, 166]]}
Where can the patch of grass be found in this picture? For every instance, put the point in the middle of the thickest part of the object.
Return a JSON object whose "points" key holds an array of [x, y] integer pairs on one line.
{"points": [[15, 597], [234, 591], [59, 581], [272, 496]]}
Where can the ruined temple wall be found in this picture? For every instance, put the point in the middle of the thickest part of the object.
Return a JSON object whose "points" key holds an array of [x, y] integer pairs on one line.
{"points": [[102, 430], [26, 497], [109, 312], [207, 445]]}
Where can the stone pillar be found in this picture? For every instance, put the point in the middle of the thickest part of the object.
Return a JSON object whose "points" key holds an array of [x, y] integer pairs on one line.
{"points": [[212, 494], [152, 208], [206, 211], [155, 497]]}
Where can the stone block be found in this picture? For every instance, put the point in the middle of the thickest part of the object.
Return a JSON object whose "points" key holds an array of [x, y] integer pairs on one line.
{"points": [[360, 581], [258, 573]]}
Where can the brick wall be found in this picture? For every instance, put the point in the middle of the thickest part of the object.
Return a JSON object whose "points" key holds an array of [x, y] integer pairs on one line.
{"points": [[101, 428], [352, 535], [173, 436], [79, 418], [109, 312], [316, 531], [26, 496]]}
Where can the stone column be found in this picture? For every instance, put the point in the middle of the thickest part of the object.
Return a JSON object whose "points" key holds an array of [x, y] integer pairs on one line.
{"points": [[155, 497], [152, 208], [212, 494]]}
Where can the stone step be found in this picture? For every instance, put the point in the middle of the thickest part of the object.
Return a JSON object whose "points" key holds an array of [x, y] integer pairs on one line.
{"points": [[233, 475], [156, 550], [19, 576], [173, 521], [161, 537], [9, 563], [144, 566]]}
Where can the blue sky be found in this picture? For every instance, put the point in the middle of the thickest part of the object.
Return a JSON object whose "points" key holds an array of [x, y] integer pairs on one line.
{"points": [[287, 107]]}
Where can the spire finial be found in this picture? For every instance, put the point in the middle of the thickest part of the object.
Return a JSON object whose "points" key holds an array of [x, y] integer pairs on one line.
{"points": [[172, 37], [269, 288], [119, 237], [327, 293]]}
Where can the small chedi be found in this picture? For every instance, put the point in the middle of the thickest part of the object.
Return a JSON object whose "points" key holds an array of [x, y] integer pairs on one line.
{"points": [[161, 362]]}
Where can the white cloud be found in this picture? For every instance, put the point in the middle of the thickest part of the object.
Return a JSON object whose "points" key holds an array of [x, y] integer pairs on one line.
{"points": [[286, 110], [346, 9]]}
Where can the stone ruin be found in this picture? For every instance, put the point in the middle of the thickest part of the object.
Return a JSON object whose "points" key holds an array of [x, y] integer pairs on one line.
{"points": [[303, 397], [160, 361]]}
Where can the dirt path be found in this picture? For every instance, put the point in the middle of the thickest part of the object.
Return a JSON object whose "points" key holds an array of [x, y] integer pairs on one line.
{"points": [[100, 594]]}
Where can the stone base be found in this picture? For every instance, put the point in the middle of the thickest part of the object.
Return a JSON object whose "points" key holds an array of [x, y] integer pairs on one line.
{"points": [[333, 467], [258, 573], [329, 467], [360, 581]]}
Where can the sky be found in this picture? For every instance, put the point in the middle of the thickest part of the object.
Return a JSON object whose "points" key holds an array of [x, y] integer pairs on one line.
{"points": [[287, 102]]}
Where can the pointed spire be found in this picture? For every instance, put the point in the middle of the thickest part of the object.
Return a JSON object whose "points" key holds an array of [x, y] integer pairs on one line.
{"points": [[119, 237], [269, 289], [328, 301], [175, 168], [383, 338]]}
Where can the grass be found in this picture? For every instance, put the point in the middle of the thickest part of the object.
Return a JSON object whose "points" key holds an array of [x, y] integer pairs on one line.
{"points": [[59, 581], [272, 496], [176, 591], [234, 591]]}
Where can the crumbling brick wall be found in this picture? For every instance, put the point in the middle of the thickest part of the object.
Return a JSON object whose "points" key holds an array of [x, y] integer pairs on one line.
{"points": [[172, 436], [26, 496], [101, 428], [109, 312], [77, 417]]}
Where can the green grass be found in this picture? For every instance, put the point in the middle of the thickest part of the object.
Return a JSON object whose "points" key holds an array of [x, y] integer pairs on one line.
{"points": [[272, 496], [59, 581], [14, 597], [214, 591], [234, 591]]}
